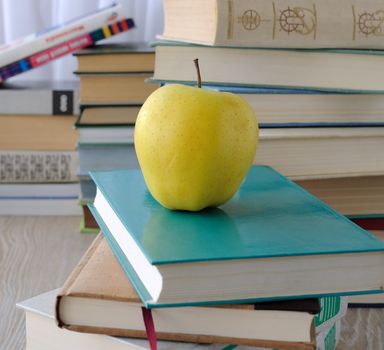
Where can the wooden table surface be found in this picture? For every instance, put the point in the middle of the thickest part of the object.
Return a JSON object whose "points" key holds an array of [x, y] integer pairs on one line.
{"points": [[38, 253]]}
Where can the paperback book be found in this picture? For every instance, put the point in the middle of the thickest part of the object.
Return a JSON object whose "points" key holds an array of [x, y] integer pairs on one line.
{"points": [[42, 57]]}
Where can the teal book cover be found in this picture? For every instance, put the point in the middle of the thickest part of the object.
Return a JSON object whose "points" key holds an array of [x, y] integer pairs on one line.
{"points": [[268, 217]]}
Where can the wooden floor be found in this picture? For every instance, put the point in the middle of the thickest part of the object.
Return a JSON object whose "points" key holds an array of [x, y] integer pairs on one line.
{"points": [[37, 254]]}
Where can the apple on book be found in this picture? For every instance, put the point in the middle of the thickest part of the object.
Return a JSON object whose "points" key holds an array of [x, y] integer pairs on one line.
{"points": [[194, 145]]}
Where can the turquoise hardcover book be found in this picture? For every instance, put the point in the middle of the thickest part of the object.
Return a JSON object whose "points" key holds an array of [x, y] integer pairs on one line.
{"points": [[272, 240]]}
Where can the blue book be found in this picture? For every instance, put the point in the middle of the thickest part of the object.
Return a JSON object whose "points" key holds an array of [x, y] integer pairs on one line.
{"points": [[272, 240]]}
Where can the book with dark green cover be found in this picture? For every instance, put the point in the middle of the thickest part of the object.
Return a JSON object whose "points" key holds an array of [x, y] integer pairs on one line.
{"points": [[272, 240]]}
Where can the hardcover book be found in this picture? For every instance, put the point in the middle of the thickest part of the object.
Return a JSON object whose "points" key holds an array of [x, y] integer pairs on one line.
{"points": [[282, 107], [323, 70], [279, 23], [43, 334], [39, 97], [114, 88], [322, 152], [38, 166], [127, 57], [37, 133], [228, 254], [361, 198], [98, 298]]}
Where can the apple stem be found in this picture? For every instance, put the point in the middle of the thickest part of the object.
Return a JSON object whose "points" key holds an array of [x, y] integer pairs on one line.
{"points": [[198, 72]]}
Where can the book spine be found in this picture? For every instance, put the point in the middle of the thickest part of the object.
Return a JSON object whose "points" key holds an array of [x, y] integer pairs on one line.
{"points": [[332, 309], [50, 38], [70, 46], [328, 339], [39, 101], [19, 166], [301, 24]]}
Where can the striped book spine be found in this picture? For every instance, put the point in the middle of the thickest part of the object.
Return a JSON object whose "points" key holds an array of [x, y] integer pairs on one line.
{"points": [[65, 48], [332, 309]]}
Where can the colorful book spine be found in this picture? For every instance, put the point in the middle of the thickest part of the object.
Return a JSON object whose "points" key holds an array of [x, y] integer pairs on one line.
{"points": [[37, 42], [65, 48]]}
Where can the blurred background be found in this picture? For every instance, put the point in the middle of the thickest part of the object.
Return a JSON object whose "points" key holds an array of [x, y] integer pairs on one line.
{"points": [[19, 18]]}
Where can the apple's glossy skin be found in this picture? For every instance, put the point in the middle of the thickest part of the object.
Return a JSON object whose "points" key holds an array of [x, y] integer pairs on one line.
{"points": [[194, 145]]}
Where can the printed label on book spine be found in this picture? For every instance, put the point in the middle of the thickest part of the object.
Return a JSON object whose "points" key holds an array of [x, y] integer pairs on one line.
{"points": [[61, 50], [37, 167], [62, 102]]}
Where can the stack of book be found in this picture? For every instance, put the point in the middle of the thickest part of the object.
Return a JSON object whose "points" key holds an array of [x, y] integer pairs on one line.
{"points": [[315, 87], [316, 90], [255, 273], [38, 158], [217, 265], [112, 90]]}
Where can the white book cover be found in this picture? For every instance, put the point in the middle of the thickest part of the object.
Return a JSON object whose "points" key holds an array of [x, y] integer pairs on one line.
{"points": [[36, 42]]}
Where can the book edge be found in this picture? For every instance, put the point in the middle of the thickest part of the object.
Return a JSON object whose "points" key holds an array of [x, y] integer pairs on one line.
{"points": [[66, 288]]}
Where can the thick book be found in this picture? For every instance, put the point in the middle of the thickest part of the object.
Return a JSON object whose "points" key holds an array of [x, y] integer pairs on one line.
{"points": [[40, 97], [114, 88], [324, 70], [107, 115], [107, 156], [107, 124], [276, 107], [369, 300], [127, 57], [323, 152], [38, 166], [43, 334], [361, 198], [98, 298], [281, 23], [27, 63], [34, 43], [54, 206], [39, 191], [228, 254], [37, 132]]}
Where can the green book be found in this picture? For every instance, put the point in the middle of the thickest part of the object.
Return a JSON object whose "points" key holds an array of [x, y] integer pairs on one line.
{"points": [[272, 240]]}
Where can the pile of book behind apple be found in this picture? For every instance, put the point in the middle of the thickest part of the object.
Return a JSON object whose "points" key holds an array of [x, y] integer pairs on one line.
{"points": [[38, 156], [112, 90], [270, 269], [312, 75]]}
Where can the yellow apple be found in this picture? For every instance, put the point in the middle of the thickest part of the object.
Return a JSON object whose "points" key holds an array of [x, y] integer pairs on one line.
{"points": [[194, 145]]}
